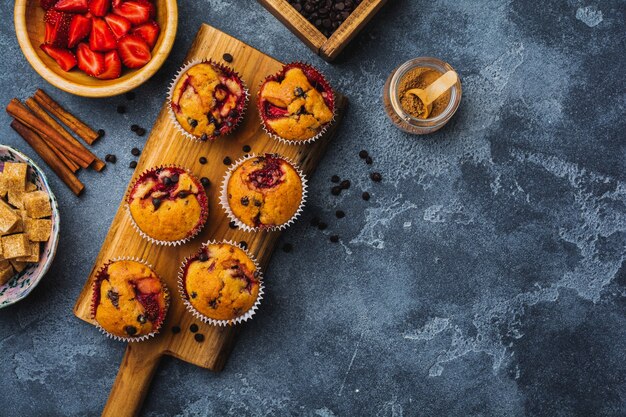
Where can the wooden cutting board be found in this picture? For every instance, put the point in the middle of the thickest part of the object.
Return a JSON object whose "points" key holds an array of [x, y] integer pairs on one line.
{"points": [[167, 146]]}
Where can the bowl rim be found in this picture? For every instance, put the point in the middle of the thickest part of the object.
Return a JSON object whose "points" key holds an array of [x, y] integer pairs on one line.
{"points": [[57, 219], [136, 79]]}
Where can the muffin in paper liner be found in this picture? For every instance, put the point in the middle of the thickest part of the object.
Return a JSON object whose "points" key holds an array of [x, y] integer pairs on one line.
{"points": [[241, 105], [226, 206], [202, 200], [319, 79], [95, 300], [185, 297]]}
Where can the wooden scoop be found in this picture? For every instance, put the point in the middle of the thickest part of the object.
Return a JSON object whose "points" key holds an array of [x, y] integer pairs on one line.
{"points": [[433, 91]]}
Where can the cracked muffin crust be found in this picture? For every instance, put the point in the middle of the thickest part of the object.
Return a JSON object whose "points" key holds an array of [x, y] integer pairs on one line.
{"points": [[220, 282], [264, 191], [129, 299], [297, 103], [168, 204], [208, 100]]}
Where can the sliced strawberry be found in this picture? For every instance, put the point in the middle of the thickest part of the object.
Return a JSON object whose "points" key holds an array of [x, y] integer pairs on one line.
{"points": [[149, 31], [101, 38], [136, 11], [119, 25], [72, 6], [57, 28], [134, 51], [112, 66], [47, 4], [99, 7], [79, 29], [274, 112], [89, 61], [64, 57], [116, 3]]}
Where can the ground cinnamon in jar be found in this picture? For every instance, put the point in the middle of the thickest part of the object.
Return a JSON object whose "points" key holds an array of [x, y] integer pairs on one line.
{"points": [[421, 77]]}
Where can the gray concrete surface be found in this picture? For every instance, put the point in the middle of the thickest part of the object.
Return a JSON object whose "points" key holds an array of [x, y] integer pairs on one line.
{"points": [[485, 277]]}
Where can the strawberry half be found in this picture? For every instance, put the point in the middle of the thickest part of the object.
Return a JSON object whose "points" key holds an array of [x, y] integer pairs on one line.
{"points": [[112, 66], [101, 38], [118, 24], [92, 63], [149, 31], [136, 11], [47, 4], [72, 6], [57, 28], [79, 29], [134, 51], [64, 57], [99, 7]]}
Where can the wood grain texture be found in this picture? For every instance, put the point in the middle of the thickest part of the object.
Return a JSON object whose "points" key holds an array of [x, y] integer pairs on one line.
{"points": [[327, 48], [30, 29], [167, 146]]}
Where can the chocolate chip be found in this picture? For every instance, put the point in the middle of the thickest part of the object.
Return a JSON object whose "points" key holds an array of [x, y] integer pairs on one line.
{"points": [[135, 152], [363, 154], [130, 96], [156, 202], [205, 182], [334, 238], [202, 160], [340, 214], [193, 328], [245, 200], [183, 194], [204, 137], [335, 179], [167, 181], [234, 113], [227, 57], [199, 337], [232, 225], [315, 221], [203, 257], [345, 184], [336, 190], [110, 158], [194, 294], [365, 195], [141, 131], [121, 109], [369, 160], [114, 297], [175, 329], [376, 177], [243, 244], [133, 164], [246, 148], [227, 161], [299, 92], [257, 203], [287, 247], [141, 319], [322, 226], [130, 330], [101, 133], [134, 128]]}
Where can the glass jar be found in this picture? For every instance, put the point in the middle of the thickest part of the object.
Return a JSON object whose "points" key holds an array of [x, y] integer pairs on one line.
{"points": [[405, 121]]}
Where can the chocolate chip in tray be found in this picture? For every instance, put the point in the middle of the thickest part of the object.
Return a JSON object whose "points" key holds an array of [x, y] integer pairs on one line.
{"points": [[325, 15], [121, 109], [135, 152], [110, 158], [227, 57]]}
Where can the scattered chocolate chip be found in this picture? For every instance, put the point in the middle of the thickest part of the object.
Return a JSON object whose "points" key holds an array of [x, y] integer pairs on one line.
{"points": [[130, 95], [202, 160], [199, 337], [232, 225], [130, 330], [363, 154], [334, 238], [204, 137], [205, 182], [369, 160], [322, 226], [121, 109], [141, 319], [133, 164], [156, 202], [134, 128], [175, 329], [335, 179], [376, 177], [247, 148], [192, 122], [135, 152], [203, 257], [141, 131], [315, 221], [365, 195], [287, 247], [245, 201], [227, 161], [340, 214], [193, 328], [227, 57], [336, 190], [345, 184], [101, 133], [243, 244], [110, 158]]}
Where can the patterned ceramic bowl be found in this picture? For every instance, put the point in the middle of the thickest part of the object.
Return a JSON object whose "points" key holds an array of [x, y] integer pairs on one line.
{"points": [[24, 282]]}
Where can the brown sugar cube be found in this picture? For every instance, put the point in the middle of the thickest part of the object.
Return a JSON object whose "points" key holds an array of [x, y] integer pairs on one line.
{"points": [[34, 253], [15, 246], [18, 266], [15, 175], [15, 198], [37, 204], [8, 218], [30, 186], [3, 185], [6, 272], [38, 230]]}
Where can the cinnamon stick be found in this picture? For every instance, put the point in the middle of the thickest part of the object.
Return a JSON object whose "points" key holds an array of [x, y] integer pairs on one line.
{"points": [[44, 151], [78, 154], [34, 107], [97, 164], [76, 125]]}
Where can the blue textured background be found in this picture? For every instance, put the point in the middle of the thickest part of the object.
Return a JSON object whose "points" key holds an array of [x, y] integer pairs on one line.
{"points": [[485, 277]]}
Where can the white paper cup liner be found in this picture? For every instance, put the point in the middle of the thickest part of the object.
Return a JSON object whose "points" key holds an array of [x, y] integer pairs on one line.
{"points": [[184, 296], [235, 219], [170, 94], [268, 130], [96, 285], [203, 217]]}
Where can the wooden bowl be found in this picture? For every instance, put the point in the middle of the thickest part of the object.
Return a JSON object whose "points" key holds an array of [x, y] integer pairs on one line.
{"points": [[30, 30]]}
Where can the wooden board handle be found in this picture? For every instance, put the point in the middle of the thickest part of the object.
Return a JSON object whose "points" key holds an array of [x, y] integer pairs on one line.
{"points": [[132, 381]]}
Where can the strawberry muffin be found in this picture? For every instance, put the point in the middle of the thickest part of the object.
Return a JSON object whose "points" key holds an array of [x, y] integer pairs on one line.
{"points": [[168, 205], [129, 300], [263, 192], [220, 284], [208, 100], [297, 104]]}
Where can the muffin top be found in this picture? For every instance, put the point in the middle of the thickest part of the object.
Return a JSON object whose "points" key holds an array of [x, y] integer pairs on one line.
{"points": [[264, 191], [129, 299], [208, 100], [168, 204], [296, 104], [221, 281]]}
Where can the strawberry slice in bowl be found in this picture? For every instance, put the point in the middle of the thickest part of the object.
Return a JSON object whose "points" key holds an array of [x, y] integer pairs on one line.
{"points": [[64, 57], [119, 25], [80, 27], [112, 66], [134, 51], [101, 38], [91, 62]]}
